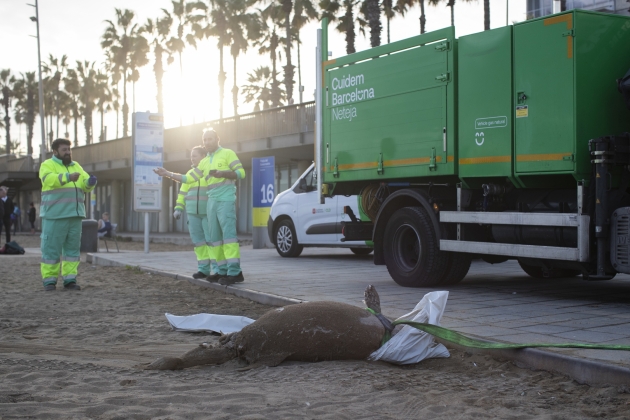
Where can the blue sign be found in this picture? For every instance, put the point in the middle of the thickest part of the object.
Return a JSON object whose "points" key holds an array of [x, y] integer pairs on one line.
{"points": [[263, 184]]}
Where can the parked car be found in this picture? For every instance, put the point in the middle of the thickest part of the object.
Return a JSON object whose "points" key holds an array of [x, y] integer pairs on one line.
{"points": [[298, 220]]}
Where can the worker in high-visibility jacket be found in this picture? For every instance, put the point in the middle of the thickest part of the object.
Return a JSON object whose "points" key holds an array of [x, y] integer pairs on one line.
{"points": [[193, 198], [222, 169], [64, 184]]}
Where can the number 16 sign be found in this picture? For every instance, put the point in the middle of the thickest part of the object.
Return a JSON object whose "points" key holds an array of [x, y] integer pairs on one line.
{"points": [[263, 181]]}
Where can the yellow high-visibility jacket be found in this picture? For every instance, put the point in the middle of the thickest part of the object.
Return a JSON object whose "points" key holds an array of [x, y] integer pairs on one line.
{"points": [[193, 197], [62, 198]]}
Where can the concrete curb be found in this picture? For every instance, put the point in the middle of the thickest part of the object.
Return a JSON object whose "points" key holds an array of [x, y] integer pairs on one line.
{"points": [[260, 297], [583, 371]]}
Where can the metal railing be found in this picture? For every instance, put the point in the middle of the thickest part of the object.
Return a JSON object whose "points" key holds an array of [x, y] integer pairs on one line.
{"points": [[287, 120]]}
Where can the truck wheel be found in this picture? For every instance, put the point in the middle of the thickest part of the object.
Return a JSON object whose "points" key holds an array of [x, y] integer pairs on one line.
{"points": [[362, 251], [458, 266], [556, 273], [410, 249], [286, 240]]}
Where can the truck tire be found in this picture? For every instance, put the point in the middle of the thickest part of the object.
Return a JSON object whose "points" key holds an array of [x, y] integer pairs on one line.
{"points": [[362, 251], [411, 251], [458, 266], [556, 273], [286, 240]]}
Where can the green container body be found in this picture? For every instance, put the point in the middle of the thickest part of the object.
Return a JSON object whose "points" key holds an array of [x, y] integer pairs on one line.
{"points": [[518, 103], [485, 140], [389, 112]]}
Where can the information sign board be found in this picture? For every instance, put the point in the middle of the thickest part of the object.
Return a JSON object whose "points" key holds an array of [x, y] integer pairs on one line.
{"points": [[147, 154], [263, 181]]}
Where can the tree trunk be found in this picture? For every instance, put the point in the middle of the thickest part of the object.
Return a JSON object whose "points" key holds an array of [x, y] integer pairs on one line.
{"points": [[221, 78], [299, 68], [76, 125], [275, 85], [159, 72], [350, 35], [101, 137], [486, 15], [181, 87], [288, 69], [374, 20], [30, 121], [57, 111], [452, 4], [125, 108], [235, 91], [423, 18]]}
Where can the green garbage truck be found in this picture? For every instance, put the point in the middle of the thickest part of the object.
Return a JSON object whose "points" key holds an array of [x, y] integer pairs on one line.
{"points": [[511, 143]]}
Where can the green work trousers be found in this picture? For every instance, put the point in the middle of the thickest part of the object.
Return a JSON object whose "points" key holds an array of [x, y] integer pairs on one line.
{"points": [[61, 249], [200, 235], [225, 254]]}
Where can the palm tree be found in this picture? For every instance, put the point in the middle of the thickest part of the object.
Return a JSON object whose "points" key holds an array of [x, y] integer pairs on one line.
{"points": [[287, 8], [127, 49], [345, 20], [371, 9], [486, 15], [158, 32], [114, 76], [243, 26], [27, 93], [188, 17], [259, 88], [269, 43], [88, 79], [7, 80], [55, 69], [103, 99], [303, 12], [451, 4], [218, 27], [73, 88]]}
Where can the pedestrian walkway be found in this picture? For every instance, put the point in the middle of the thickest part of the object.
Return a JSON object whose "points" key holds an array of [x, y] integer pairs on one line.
{"points": [[495, 302]]}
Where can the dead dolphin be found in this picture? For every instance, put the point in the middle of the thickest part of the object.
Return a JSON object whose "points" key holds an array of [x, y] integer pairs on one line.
{"points": [[308, 332]]}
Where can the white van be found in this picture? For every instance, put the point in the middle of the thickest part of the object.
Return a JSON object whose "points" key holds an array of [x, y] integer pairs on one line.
{"points": [[297, 219]]}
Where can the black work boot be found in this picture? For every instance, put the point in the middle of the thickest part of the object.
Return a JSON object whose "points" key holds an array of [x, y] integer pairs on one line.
{"points": [[213, 278], [49, 288], [227, 280], [72, 286], [199, 275]]}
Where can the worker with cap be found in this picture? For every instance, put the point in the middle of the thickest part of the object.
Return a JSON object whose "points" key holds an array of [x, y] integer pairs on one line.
{"points": [[193, 198], [64, 184], [221, 169]]}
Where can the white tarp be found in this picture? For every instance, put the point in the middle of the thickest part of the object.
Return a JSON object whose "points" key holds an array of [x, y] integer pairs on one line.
{"points": [[208, 322], [411, 345]]}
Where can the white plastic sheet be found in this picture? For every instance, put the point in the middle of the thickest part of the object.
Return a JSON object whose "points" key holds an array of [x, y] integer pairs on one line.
{"points": [[411, 345], [208, 322]]}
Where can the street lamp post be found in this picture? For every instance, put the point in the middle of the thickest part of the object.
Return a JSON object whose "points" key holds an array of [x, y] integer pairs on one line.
{"points": [[35, 19]]}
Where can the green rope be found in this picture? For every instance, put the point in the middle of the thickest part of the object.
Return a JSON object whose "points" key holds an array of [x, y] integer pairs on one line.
{"points": [[457, 338]]}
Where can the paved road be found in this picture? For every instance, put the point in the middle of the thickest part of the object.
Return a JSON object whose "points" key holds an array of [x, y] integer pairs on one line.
{"points": [[495, 302]]}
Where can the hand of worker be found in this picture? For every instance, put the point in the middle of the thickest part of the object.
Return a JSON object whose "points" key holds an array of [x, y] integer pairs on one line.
{"points": [[73, 177], [177, 214], [92, 180], [216, 173], [161, 171]]}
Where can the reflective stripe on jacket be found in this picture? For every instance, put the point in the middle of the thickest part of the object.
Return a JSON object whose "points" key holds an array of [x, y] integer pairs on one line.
{"points": [[62, 198]]}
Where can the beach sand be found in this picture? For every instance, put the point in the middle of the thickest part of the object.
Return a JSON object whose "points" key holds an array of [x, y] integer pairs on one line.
{"points": [[66, 355]]}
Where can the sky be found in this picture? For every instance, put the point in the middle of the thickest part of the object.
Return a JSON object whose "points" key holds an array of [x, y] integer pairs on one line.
{"points": [[75, 27]]}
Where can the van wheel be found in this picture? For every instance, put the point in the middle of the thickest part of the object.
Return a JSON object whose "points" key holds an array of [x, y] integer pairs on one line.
{"points": [[286, 240], [411, 251], [362, 251]]}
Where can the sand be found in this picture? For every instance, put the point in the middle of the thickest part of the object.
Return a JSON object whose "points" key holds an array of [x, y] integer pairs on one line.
{"points": [[67, 355]]}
